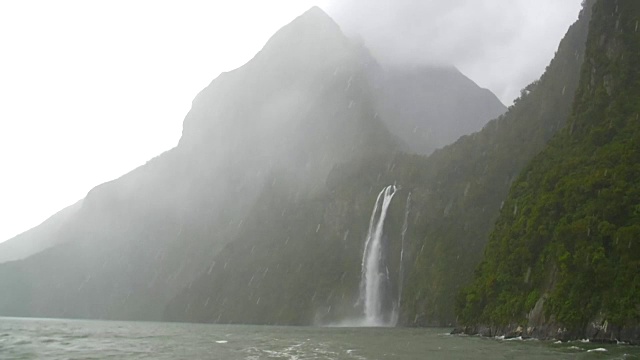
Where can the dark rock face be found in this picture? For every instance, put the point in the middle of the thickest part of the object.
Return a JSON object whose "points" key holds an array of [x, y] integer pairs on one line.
{"points": [[596, 333]]}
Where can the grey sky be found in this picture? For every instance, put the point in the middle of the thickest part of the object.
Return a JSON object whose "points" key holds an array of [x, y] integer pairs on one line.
{"points": [[502, 45]]}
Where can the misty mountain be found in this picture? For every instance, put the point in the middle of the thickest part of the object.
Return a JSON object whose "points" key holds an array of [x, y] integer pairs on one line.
{"points": [[430, 107], [565, 250], [305, 104], [300, 106], [299, 262], [39, 238]]}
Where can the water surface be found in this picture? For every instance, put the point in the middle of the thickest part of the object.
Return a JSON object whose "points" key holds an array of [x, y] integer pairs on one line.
{"points": [[88, 339]]}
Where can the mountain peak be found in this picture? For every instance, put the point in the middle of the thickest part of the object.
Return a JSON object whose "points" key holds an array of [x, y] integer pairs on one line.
{"points": [[314, 25], [311, 38], [316, 14]]}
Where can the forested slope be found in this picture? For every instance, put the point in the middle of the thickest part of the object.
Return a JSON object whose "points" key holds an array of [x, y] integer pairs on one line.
{"points": [[468, 181], [564, 257]]}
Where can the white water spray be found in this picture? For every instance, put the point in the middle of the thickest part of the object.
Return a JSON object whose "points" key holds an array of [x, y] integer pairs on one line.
{"points": [[405, 226], [375, 274]]}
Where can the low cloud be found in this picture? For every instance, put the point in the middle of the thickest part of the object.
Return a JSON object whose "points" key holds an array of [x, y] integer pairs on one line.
{"points": [[501, 45]]}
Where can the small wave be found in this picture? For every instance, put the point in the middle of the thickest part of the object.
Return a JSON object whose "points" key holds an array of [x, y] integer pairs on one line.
{"points": [[575, 348], [513, 338], [351, 354], [517, 338], [598, 350], [221, 341]]}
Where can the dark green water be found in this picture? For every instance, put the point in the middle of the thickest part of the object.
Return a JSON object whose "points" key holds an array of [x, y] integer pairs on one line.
{"points": [[79, 339]]}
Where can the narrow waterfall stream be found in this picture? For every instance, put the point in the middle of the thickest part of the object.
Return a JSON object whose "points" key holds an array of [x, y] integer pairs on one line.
{"points": [[405, 226], [375, 274]]}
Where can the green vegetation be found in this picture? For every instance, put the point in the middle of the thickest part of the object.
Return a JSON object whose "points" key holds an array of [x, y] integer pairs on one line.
{"points": [[570, 228]]}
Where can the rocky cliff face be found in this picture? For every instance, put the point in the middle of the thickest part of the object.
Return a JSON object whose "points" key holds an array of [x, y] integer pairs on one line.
{"points": [[562, 260]]}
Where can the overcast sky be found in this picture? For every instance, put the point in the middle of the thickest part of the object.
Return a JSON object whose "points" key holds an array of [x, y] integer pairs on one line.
{"points": [[91, 89]]}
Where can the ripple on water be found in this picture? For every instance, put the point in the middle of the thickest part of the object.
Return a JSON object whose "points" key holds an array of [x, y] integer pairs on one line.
{"points": [[61, 339]]}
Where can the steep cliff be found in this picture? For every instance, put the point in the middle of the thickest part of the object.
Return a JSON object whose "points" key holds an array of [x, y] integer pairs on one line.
{"points": [[564, 256], [468, 181]]}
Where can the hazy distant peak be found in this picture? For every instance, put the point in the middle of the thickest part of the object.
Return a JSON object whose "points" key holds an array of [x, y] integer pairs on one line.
{"points": [[314, 25], [316, 14], [314, 18], [420, 68]]}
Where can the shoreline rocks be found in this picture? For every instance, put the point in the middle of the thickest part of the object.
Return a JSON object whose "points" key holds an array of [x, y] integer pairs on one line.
{"points": [[596, 334]]}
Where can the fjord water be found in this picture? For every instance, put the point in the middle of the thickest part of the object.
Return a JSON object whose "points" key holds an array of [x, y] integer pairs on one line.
{"points": [[88, 339]]}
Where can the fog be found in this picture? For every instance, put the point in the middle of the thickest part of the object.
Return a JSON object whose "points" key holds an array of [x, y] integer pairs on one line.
{"points": [[500, 45], [93, 89], [83, 83]]}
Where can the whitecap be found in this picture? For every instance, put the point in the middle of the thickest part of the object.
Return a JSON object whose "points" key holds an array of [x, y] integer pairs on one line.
{"points": [[597, 350], [517, 338], [221, 341]]}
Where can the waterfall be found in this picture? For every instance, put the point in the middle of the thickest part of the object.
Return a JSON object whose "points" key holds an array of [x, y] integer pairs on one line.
{"points": [[405, 226], [375, 274]]}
